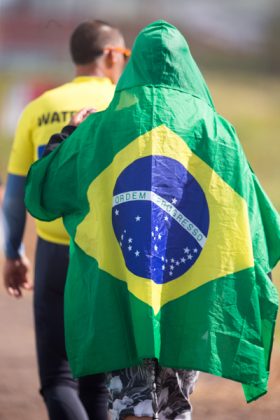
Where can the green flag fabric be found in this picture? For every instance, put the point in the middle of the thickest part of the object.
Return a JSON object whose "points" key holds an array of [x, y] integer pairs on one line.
{"points": [[172, 237]]}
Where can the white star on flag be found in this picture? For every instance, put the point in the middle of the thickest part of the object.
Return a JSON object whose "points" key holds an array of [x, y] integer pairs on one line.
{"points": [[190, 257], [130, 240], [117, 212], [186, 250], [159, 236], [156, 228], [137, 253], [155, 248], [174, 200], [138, 218], [165, 218], [129, 248], [195, 250], [183, 260]]}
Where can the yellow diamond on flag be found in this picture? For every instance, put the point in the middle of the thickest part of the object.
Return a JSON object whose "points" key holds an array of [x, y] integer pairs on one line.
{"points": [[225, 249]]}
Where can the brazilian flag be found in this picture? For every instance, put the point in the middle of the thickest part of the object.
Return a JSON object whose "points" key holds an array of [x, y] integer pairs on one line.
{"points": [[172, 236]]}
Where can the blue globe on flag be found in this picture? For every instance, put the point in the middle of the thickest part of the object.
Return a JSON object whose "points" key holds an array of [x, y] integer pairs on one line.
{"points": [[160, 218]]}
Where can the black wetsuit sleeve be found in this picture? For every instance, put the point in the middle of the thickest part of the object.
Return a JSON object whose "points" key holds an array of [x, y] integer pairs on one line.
{"points": [[57, 139]]}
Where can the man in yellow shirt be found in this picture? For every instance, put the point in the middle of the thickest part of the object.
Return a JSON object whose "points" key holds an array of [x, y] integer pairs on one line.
{"points": [[99, 54]]}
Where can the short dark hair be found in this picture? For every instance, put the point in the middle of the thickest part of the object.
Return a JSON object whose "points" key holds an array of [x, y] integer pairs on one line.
{"points": [[89, 38]]}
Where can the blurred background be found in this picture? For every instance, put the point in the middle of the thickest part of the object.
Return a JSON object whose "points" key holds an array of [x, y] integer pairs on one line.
{"points": [[237, 46]]}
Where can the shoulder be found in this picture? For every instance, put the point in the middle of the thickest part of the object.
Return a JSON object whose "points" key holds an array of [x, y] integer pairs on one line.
{"points": [[41, 101], [54, 93], [47, 102]]}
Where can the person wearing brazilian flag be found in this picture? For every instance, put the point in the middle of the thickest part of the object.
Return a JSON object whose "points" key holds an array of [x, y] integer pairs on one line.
{"points": [[172, 238]]}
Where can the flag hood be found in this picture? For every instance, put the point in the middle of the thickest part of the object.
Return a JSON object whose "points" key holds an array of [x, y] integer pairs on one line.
{"points": [[161, 57]]}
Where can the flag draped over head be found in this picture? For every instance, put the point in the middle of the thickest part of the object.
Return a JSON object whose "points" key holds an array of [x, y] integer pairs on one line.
{"points": [[172, 236]]}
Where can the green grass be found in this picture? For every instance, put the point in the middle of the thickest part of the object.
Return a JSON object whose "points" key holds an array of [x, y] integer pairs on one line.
{"points": [[5, 143], [5, 147]]}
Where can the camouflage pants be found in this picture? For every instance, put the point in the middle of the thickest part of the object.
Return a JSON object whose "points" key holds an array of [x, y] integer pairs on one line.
{"points": [[150, 390]]}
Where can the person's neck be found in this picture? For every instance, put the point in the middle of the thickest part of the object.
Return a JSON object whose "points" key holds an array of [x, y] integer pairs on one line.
{"points": [[89, 70]]}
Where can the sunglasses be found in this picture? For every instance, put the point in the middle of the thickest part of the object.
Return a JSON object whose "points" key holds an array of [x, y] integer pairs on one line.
{"points": [[125, 51]]}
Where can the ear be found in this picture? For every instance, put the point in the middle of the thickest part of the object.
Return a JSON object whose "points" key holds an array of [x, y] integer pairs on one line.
{"points": [[110, 57]]}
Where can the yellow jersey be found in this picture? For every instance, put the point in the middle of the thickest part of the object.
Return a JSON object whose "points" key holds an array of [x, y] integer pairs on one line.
{"points": [[47, 115]]}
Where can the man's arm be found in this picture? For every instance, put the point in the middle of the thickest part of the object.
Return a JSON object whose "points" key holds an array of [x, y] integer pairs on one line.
{"points": [[52, 181], [16, 264]]}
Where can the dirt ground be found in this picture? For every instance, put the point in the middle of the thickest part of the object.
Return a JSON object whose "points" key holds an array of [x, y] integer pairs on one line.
{"points": [[213, 399]]}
